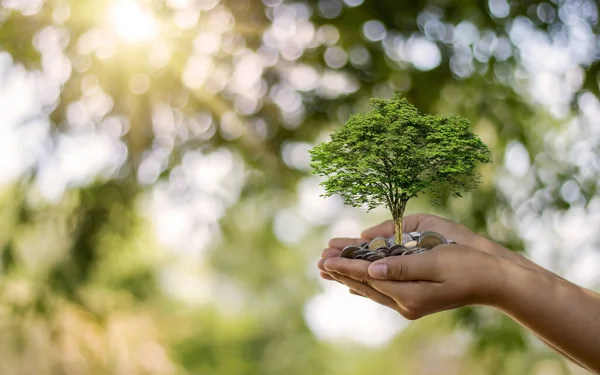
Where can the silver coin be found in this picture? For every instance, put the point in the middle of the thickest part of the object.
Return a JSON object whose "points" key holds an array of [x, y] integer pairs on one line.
{"points": [[416, 250], [406, 238], [415, 235], [365, 255], [364, 245], [361, 253], [397, 247], [432, 233], [429, 240], [419, 250], [377, 242], [391, 241], [411, 244], [372, 257], [349, 252], [382, 251], [396, 250]]}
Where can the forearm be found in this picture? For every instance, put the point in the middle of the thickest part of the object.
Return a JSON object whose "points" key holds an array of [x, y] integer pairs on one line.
{"points": [[493, 248], [563, 314], [520, 259]]}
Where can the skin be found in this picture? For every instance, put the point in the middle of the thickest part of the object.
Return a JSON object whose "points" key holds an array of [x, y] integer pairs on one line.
{"points": [[475, 271]]}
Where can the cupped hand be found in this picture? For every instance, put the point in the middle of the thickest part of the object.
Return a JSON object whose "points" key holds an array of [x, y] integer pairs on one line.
{"points": [[443, 278], [411, 223], [425, 222], [419, 223]]}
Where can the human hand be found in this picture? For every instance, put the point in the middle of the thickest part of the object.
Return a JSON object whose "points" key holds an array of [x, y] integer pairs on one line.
{"points": [[474, 271], [443, 278], [426, 222], [419, 223]]}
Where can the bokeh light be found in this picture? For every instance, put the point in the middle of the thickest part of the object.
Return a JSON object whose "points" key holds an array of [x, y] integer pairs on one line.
{"points": [[131, 21]]}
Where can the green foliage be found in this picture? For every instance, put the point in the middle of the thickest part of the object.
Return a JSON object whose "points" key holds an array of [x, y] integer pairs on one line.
{"points": [[394, 153]]}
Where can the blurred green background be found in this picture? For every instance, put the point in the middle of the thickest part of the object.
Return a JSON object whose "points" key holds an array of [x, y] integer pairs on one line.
{"points": [[157, 214]]}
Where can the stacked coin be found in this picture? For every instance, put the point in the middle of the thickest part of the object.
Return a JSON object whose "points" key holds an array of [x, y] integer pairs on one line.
{"points": [[381, 247]]}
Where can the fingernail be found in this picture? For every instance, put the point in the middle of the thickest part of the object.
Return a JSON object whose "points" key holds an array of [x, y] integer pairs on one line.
{"points": [[378, 270]]}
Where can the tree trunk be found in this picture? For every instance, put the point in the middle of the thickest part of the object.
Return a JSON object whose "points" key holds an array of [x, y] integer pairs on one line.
{"points": [[397, 214], [398, 229]]}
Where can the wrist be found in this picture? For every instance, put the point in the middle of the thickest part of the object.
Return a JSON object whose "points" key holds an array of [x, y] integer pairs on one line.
{"points": [[493, 248], [484, 244], [512, 280], [499, 286]]}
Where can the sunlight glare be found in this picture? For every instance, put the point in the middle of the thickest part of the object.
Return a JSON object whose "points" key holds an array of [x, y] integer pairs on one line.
{"points": [[131, 22]]}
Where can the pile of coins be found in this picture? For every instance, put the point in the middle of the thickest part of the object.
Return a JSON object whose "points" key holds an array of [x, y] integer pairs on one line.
{"points": [[381, 247]]}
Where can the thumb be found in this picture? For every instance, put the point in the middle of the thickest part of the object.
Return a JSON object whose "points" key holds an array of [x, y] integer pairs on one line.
{"points": [[413, 267], [384, 229]]}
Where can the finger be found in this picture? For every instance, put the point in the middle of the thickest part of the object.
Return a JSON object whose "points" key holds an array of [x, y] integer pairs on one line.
{"points": [[366, 291], [321, 262], [412, 299], [340, 243], [330, 252], [411, 223], [385, 229], [424, 266], [352, 291], [354, 268], [329, 276]]}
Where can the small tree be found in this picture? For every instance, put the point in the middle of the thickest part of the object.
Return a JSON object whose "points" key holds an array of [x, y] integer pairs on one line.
{"points": [[394, 153]]}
